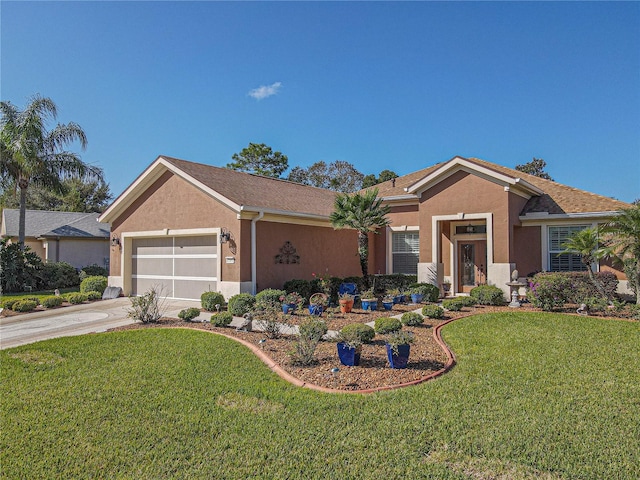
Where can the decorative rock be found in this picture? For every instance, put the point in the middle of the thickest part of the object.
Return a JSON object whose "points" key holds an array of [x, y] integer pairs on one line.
{"points": [[111, 292]]}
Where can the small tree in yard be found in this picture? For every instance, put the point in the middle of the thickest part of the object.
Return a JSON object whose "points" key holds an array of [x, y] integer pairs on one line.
{"points": [[625, 242], [364, 212]]}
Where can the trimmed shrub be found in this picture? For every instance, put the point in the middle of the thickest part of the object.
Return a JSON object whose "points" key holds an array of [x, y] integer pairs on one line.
{"points": [[94, 295], [209, 300], [433, 311], [269, 297], [549, 290], [9, 303], [487, 295], [76, 298], [364, 332], [384, 325], [467, 301], [583, 288], [59, 275], [94, 284], [25, 305], [52, 301], [453, 304], [303, 287], [412, 319], [189, 314], [241, 303], [93, 271], [221, 319]]}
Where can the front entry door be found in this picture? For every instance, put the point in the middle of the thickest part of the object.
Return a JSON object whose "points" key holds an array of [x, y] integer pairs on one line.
{"points": [[472, 262]]}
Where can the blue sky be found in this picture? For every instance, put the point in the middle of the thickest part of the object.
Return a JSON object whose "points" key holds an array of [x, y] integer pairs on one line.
{"points": [[382, 85]]}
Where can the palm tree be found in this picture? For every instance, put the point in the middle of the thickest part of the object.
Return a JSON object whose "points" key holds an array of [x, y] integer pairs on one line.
{"points": [[31, 154], [586, 243], [364, 212], [625, 242]]}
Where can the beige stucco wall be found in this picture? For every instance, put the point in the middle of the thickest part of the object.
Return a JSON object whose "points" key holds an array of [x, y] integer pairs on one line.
{"points": [[80, 252], [322, 250], [174, 204]]}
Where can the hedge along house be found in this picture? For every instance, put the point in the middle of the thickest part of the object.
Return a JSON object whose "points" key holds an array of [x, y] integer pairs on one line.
{"points": [[466, 222], [191, 228]]}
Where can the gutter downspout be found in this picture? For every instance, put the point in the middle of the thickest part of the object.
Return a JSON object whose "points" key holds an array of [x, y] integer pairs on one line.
{"points": [[254, 254]]}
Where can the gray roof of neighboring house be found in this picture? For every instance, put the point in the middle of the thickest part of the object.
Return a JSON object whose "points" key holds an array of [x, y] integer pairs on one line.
{"points": [[45, 223]]}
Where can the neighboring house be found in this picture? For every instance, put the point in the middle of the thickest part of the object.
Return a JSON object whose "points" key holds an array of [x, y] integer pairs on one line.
{"points": [[76, 238], [190, 228]]}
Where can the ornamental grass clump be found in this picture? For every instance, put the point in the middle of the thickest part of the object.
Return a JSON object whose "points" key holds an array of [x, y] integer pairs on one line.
{"points": [[385, 325], [211, 301], [311, 332], [412, 319], [433, 311]]}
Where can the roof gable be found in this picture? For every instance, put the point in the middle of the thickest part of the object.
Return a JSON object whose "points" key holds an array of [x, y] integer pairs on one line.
{"points": [[47, 223], [239, 191]]}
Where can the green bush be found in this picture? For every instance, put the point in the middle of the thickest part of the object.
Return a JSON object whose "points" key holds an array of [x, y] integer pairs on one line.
{"points": [[488, 295], [582, 287], [76, 298], [453, 304], [9, 303], [549, 290], [313, 328], [433, 311], [269, 297], [364, 332], [311, 331], [94, 284], [241, 303], [59, 275], [93, 271], [93, 295], [52, 301], [148, 307], [24, 306], [430, 292], [221, 319], [385, 325], [189, 314], [303, 287], [18, 267], [468, 301], [209, 300], [412, 319]]}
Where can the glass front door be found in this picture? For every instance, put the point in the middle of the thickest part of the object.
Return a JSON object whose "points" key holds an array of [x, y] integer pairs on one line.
{"points": [[472, 261]]}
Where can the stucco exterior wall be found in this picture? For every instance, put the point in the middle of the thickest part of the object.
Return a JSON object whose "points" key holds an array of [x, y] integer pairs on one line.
{"points": [[404, 215], [174, 204], [322, 250], [527, 254], [81, 253]]}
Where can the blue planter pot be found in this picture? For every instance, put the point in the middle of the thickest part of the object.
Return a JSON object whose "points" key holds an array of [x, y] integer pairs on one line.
{"points": [[416, 297], [398, 299], [387, 305], [288, 308], [315, 309], [348, 356], [401, 359], [370, 305]]}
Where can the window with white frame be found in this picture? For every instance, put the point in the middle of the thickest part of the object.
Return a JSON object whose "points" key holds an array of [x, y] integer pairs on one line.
{"points": [[405, 248], [563, 262]]}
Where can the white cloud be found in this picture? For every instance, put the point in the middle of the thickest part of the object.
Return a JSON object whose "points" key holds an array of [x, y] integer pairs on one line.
{"points": [[265, 91]]}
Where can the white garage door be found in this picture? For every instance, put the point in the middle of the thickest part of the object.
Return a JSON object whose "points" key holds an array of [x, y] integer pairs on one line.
{"points": [[184, 267]]}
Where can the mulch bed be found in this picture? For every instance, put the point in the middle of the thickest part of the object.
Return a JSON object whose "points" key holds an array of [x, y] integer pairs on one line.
{"points": [[426, 358]]}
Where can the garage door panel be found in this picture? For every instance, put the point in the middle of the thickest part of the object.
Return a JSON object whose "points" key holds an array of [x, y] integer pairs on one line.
{"points": [[153, 266], [206, 245], [153, 246], [142, 285], [196, 267], [193, 288]]}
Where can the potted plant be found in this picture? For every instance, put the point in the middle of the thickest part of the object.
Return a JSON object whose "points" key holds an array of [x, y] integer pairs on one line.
{"points": [[394, 293], [317, 303], [291, 302], [417, 294], [398, 348], [349, 345], [387, 301], [346, 302], [369, 300]]}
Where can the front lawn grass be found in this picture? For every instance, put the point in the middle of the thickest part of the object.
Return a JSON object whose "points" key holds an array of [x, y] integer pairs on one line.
{"points": [[533, 395]]}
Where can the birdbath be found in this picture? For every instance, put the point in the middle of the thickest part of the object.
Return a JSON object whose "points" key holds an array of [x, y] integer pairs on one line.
{"points": [[515, 285]]}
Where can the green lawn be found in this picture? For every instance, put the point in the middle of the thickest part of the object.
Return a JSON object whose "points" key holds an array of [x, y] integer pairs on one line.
{"points": [[533, 396]]}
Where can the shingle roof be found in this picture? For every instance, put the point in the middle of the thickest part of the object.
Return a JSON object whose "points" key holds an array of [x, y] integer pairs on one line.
{"points": [[556, 199], [262, 192], [45, 223]]}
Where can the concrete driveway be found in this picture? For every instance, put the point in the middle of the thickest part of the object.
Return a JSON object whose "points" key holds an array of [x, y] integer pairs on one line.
{"points": [[75, 320]]}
